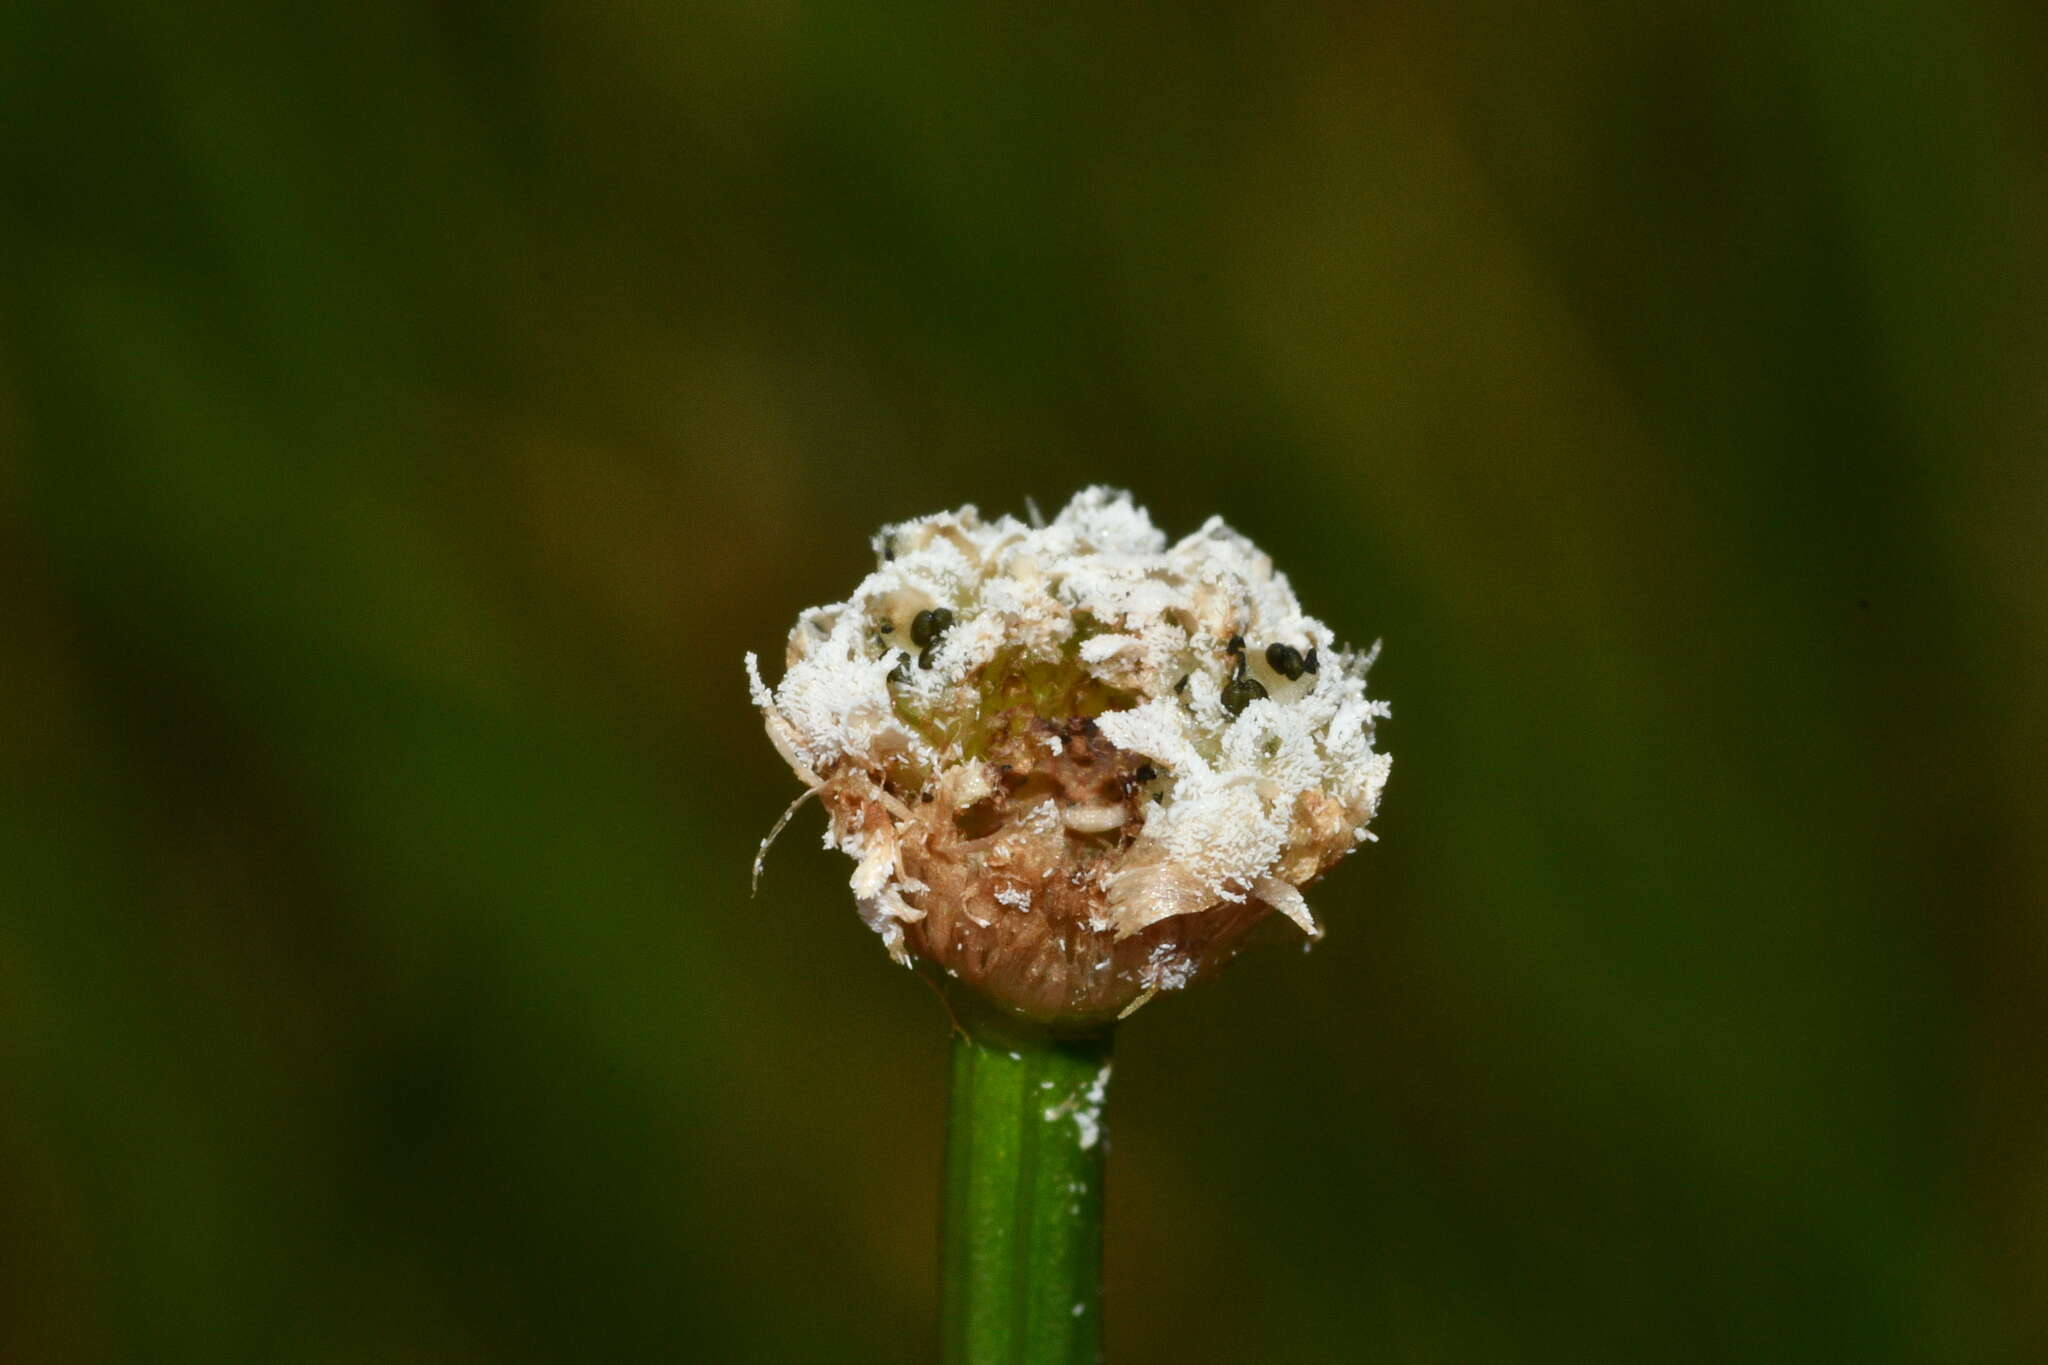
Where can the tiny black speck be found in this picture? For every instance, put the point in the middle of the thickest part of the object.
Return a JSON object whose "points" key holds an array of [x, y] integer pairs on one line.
{"points": [[928, 625], [1284, 660], [1241, 692]]}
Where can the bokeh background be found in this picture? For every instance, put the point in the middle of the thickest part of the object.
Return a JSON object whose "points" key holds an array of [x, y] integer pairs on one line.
{"points": [[409, 413]]}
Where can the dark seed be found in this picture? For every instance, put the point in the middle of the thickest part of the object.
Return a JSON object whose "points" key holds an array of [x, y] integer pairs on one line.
{"points": [[1234, 645], [1241, 692], [1182, 685], [924, 658], [928, 625], [1146, 772], [901, 672], [1284, 660], [1309, 665]]}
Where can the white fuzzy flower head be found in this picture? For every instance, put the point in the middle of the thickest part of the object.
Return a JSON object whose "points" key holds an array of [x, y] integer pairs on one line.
{"points": [[1076, 764]]}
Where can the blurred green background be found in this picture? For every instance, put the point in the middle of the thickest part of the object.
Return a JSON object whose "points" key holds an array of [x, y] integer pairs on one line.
{"points": [[409, 413]]}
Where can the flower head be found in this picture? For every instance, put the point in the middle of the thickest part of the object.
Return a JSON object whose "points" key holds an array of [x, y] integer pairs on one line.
{"points": [[1076, 764]]}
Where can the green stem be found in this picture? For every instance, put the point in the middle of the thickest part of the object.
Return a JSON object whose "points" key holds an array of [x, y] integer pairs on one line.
{"points": [[1021, 1279]]}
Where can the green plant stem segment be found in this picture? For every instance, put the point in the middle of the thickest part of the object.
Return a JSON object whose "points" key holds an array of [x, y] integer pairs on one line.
{"points": [[1021, 1276]]}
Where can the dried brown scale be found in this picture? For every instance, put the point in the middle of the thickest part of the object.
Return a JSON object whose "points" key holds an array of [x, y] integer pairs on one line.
{"points": [[1056, 962], [1051, 962]]}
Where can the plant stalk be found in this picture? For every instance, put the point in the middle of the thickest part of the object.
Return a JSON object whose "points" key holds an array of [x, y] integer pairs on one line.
{"points": [[1021, 1245]]}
